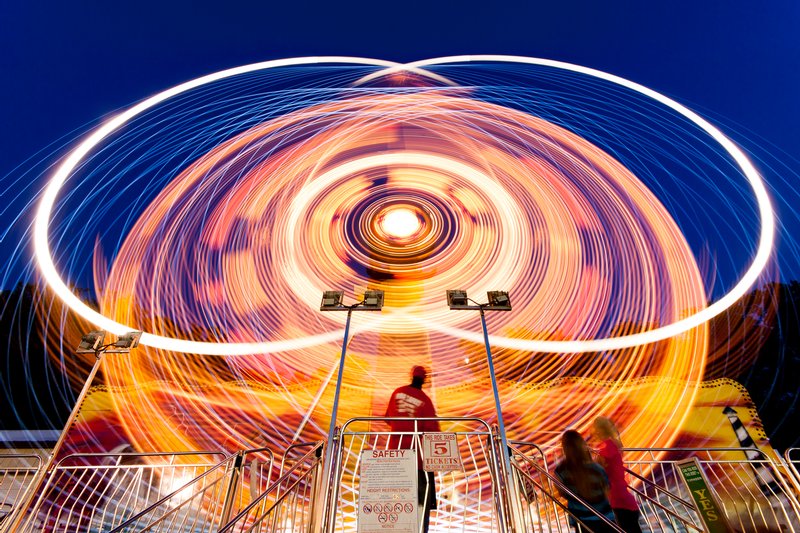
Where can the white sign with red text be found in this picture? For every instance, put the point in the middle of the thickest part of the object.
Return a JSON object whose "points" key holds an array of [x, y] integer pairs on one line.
{"points": [[440, 452], [387, 495]]}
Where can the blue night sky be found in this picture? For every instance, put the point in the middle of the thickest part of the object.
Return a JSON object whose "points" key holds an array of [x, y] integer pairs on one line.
{"points": [[66, 65]]}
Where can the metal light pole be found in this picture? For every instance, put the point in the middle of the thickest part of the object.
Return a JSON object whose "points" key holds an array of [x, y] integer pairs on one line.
{"points": [[498, 301], [332, 301], [90, 343]]}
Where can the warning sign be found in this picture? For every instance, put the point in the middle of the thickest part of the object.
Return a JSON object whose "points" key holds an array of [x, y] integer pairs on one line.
{"points": [[440, 452], [387, 496]]}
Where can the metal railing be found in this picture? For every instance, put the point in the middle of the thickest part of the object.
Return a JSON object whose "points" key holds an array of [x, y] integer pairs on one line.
{"points": [[17, 474], [661, 508], [753, 493], [203, 491], [288, 503], [792, 459], [465, 499], [538, 504], [254, 476], [198, 505], [95, 492]]}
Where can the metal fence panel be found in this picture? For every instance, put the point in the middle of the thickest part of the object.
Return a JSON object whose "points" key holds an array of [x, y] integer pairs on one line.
{"points": [[465, 499], [792, 459], [753, 493], [97, 492], [17, 474], [288, 504]]}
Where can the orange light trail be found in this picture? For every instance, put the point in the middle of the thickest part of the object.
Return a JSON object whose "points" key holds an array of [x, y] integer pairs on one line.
{"points": [[503, 200]]}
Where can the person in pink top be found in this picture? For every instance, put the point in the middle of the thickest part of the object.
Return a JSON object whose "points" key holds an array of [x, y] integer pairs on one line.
{"points": [[410, 402], [626, 510]]}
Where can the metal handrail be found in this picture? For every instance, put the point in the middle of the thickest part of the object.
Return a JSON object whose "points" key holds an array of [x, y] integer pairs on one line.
{"points": [[297, 446], [790, 463], [276, 486], [34, 471], [235, 489], [92, 463], [171, 512], [658, 504], [783, 502], [764, 460], [562, 489], [163, 500]]}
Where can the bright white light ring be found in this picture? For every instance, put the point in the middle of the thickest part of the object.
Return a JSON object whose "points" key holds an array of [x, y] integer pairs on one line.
{"points": [[507, 211], [748, 279]]}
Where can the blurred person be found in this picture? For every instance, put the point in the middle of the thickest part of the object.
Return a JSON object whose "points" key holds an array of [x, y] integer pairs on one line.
{"points": [[586, 479], [410, 401], [609, 454]]}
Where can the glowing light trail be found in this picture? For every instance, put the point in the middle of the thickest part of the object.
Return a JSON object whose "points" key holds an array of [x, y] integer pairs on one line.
{"points": [[49, 271], [257, 192]]}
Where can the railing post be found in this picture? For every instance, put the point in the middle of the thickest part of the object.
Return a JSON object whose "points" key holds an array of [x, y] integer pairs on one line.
{"points": [[516, 512], [316, 492], [504, 506], [330, 475], [231, 491]]}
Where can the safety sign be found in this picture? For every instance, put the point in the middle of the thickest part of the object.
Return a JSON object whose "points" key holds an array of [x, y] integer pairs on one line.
{"points": [[387, 496]]}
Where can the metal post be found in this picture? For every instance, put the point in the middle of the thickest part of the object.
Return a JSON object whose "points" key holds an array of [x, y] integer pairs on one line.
{"points": [[231, 491], [501, 426], [506, 469], [328, 472], [37, 486]]}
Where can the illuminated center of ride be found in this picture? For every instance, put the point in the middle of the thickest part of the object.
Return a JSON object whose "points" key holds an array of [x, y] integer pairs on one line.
{"points": [[400, 222]]}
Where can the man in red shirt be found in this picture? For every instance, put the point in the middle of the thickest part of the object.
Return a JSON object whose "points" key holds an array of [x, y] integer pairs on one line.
{"points": [[409, 401]]}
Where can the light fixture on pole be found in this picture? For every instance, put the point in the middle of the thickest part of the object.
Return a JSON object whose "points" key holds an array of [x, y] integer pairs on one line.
{"points": [[92, 342], [332, 301], [498, 301]]}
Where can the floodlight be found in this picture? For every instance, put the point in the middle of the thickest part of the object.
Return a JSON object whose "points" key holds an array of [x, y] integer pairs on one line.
{"points": [[331, 300], [498, 301], [126, 342], [457, 299], [373, 300], [91, 342]]}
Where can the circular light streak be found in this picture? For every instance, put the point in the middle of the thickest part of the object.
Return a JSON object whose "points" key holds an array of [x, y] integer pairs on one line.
{"points": [[49, 271]]}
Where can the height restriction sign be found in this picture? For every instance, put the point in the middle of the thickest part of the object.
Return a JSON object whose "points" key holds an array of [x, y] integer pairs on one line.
{"points": [[440, 452], [387, 495]]}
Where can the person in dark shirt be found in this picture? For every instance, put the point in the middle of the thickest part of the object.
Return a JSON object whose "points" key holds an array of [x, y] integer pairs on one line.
{"points": [[409, 401], [586, 479]]}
